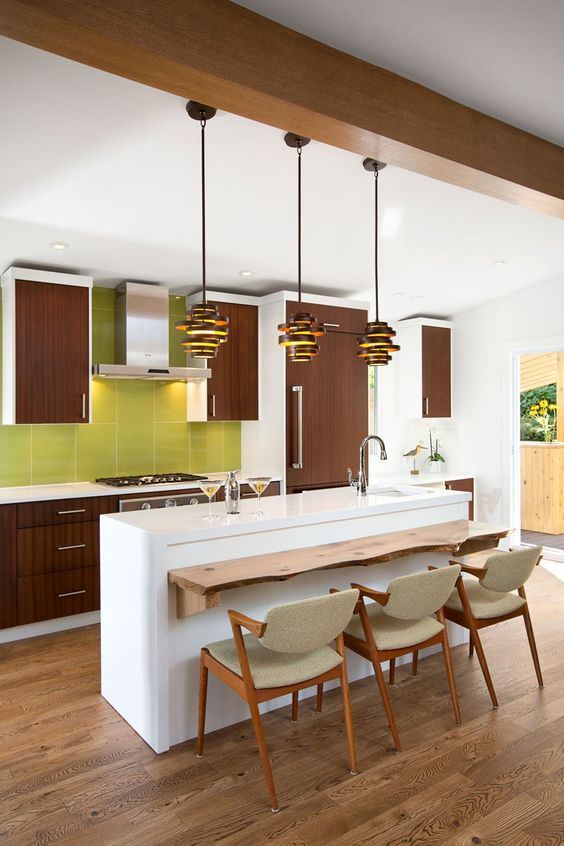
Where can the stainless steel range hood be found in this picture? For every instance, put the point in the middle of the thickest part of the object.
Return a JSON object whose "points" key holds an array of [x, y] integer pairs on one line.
{"points": [[141, 337]]}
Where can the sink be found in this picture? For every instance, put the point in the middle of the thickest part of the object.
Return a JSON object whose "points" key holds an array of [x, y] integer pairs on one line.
{"points": [[397, 492]]}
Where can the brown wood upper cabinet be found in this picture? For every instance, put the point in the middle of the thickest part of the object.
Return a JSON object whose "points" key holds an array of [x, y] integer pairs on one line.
{"points": [[233, 387], [47, 376], [424, 368], [327, 417]]}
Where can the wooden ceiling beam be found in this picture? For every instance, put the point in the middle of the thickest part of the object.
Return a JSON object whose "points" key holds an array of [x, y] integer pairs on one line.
{"points": [[217, 52]]}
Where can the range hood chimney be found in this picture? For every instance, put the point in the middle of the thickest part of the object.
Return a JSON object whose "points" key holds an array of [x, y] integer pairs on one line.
{"points": [[141, 337]]}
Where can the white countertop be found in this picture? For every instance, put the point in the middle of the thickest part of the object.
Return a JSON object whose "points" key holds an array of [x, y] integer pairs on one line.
{"points": [[77, 490], [311, 507]]}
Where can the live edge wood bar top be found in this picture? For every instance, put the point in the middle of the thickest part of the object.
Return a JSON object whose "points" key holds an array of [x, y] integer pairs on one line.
{"points": [[199, 587]]}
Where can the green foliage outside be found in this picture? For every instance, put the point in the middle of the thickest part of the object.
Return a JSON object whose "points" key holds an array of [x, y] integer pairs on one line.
{"points": [[529, 428]]}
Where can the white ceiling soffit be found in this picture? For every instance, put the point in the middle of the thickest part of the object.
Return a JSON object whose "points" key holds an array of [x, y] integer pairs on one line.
{"points": [[502, 57], [111, 167]]}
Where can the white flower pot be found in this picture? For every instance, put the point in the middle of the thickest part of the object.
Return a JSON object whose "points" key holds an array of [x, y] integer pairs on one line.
{"points": [[434, 466]]}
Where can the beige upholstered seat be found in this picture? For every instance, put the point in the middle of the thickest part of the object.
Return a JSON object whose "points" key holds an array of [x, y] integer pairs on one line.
{"points": [[391, 633], [407, 618], [487, 597], [485, 603], [298, 645], [275, 669]]}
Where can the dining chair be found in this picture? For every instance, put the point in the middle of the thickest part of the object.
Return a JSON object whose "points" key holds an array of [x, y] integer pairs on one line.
{"points": [[489, 597], [290, 650], [406, 618]]}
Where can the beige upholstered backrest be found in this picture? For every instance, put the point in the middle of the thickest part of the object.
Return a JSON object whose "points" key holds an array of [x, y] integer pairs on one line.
{"points": [[305, 625], [420, 595], [508, 571]]}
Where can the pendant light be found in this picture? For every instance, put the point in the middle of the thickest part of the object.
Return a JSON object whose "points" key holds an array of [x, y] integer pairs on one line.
{"points": [[205, 328], [301, 331], [376, 345]]}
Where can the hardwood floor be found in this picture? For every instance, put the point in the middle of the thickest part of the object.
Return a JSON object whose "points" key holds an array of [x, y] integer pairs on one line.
{"points": [[72, 772], [542, 539]]}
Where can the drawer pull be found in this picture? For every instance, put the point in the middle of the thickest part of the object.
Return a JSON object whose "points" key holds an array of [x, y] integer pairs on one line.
{"points": [[247, 494], [74, 546], [73, 511], [71, 593]]}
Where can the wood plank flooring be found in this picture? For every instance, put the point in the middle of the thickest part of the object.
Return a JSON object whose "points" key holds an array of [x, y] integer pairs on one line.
{"points": [[72, 772], [542, 539]]}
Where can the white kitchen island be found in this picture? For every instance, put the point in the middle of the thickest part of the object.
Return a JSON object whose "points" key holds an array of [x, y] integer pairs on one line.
{"points": [[150, 658]]}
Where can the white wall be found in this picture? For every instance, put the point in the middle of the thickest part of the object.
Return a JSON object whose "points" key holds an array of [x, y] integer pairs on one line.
{"points": [[482, 342]]}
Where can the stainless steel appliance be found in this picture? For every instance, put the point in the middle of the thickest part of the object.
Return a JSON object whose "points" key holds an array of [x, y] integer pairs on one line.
{"points": [[171, 501], [149, 479], [141, 337]]}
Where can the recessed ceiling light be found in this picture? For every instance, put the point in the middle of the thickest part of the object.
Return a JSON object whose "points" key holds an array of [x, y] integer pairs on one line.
{"points": [[59, 245], [246, 273], [500, 262], [417, 297]]}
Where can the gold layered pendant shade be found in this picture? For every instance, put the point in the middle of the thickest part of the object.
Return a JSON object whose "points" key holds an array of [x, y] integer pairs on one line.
{"points": [[205, 328], [300, 333], [375, 345]]}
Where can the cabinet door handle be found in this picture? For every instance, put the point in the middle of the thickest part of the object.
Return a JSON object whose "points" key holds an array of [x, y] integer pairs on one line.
{"points": [[426, 401], [70, 593], [74, 546], [73, 511], [299, 463], [212, 412], [83, 413], [333, 325]]}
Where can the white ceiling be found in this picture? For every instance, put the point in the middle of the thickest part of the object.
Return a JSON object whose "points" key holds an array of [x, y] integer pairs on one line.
{"points": [[111, 167], [502, 57]]}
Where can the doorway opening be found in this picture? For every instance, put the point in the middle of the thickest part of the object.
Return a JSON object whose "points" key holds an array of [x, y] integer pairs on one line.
{"points": [[541, 449]]}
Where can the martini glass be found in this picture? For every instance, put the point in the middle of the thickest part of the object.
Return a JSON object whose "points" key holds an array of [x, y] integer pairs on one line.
{"points": [[259, 484], [210, 487]]}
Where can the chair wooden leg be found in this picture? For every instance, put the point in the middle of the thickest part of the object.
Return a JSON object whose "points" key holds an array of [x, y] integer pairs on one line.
{"points": [[451, 678], [319, 699], [392, 670], [414, 662], [295, 706], [347, 711], [533, 645], [471, 646], [386, 703], [263, 752], [484, 665], [203, 695]]}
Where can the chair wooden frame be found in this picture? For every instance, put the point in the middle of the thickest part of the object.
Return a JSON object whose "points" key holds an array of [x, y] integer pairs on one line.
{"points": [[243, 685], [466, 619], [367, 649]]}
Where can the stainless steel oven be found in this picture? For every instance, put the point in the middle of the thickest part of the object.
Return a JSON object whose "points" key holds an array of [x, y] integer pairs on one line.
{"points": [[145, 503]]}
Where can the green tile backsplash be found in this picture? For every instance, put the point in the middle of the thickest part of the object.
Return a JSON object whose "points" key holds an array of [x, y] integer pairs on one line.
{"points": [[137, 426]]}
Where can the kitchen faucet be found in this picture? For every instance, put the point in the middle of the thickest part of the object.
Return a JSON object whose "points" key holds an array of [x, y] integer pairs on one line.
{"points": [[360, 484]]}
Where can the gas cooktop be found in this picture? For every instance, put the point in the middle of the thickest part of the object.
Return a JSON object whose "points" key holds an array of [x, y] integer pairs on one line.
{"points": [[152, 479]]}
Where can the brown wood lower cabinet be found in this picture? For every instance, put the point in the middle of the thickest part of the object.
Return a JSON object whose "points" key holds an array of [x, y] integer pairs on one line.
{"points": [[48, 549], [463, 485], [51, 595], [8, 567]]}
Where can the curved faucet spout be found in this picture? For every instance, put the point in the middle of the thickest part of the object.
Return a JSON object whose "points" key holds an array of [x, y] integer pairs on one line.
{"points": [[362, 483]]}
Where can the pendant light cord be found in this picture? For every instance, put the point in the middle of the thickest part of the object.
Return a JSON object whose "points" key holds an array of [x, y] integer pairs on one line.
{"points": [[376, 240], [203, 168], [299, 150]]}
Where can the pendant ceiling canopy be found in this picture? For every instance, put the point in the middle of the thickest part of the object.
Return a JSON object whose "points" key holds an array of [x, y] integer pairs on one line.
{"points": [[376, 343], [300, 333], [205, 328]]}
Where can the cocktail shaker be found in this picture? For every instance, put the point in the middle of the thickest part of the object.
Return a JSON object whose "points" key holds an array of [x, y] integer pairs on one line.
{"points": [[232, 493]]}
